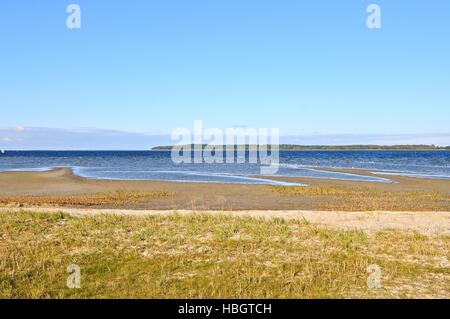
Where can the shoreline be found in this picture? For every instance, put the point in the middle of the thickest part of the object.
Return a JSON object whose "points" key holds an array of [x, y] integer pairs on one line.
{"points": [[62, 186], [364, 172], [275, 178]]}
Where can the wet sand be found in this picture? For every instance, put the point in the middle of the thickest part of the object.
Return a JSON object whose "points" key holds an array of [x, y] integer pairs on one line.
{"points": [[204, 196]]}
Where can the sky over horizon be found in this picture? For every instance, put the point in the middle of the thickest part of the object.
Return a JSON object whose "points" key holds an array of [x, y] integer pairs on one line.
{"points": [[136, 70]]}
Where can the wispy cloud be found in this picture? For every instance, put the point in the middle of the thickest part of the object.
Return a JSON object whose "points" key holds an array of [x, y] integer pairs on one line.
{"points": [[38, 138], [19, 128]]}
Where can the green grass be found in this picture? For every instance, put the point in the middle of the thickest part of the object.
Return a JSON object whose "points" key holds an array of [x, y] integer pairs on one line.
{"points": [[204, 256]]}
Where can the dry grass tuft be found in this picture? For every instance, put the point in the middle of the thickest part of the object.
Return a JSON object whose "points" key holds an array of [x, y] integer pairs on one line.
{"points": [[119, 197], [365, 199]]}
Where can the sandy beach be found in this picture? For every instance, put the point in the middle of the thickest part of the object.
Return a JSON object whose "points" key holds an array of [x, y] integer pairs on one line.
{"points": [[406, 204], [430, 194], [187, 239], [404, 194]]}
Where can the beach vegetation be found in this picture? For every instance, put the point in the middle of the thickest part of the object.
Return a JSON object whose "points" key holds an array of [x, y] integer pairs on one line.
{"points": [[212, 256]]}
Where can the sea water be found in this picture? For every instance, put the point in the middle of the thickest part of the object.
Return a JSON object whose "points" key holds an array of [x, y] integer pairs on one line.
{"points": [[157, 165]]}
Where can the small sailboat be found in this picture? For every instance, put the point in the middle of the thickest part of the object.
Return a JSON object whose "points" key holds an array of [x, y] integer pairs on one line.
{"points": [[3, 151]]}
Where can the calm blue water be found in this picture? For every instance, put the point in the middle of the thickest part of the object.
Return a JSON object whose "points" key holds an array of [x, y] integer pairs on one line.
{"points": [[159, 166]]}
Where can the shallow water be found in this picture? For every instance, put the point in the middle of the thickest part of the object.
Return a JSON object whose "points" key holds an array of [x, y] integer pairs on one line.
{"points": [[152, 165]]}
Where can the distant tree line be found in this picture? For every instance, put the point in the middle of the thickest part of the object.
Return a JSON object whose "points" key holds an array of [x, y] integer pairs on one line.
{"points": [[294, 147]]}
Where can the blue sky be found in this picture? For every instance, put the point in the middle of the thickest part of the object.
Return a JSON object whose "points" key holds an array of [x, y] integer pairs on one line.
{"points": [[143, 68]]}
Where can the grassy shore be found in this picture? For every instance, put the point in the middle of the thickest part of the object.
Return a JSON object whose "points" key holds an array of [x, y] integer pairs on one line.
{"points": [[212, 256]]}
